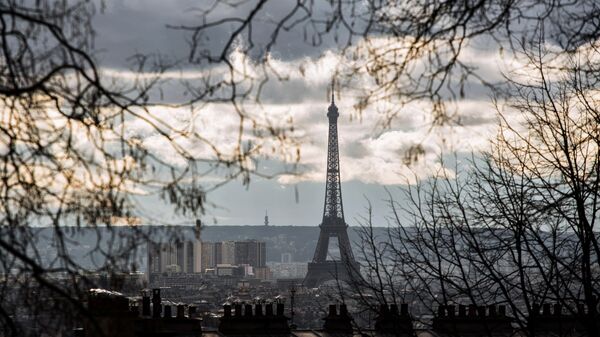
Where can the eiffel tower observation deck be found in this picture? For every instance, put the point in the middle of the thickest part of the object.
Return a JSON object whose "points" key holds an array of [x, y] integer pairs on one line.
{"points": [[323, 266]]}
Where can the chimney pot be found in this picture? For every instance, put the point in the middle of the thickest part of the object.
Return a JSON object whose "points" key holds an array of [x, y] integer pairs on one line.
{"points": [[394, 309], [167, 311], [280, 309], [462, 310], [180, 311], [451, 310], [238, 310], [343, 310], [192, 310], [546, 309], [156, 303], [156, 310], [258, 309], [535, 309], [404, 309], [226, 310], [248, 310], [135, 309], [145, 305], [481, 311], [581, 308], [332, 310], [502, 310], [557, 309], [269, 309], [492, 310], [441, 311], [156, 295], [472, 310]]}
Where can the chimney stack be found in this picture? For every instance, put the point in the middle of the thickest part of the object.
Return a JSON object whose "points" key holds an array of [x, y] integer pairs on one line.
{"points": [[180, 311], [254, 321], [557, 309], [344, 310], [248, 310], [472, 310], [192, 311], [145, 304], [258, 310], [502, 310], [473, 320], [338, 324], [441, 311], [390, 322], [404, 309], [332, 310], [156, 303], [451, 310], [546, 309]]}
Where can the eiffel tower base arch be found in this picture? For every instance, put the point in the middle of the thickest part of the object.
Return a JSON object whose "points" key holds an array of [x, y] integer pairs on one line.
{"points": [[321, 272]]}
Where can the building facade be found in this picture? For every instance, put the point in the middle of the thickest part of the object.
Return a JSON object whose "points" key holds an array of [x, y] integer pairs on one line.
{"points": [[251, 252], [178, 257], [197, 257], [228, 252]]}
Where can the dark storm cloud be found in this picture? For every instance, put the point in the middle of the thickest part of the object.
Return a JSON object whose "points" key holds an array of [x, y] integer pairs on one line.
{"points": [[127, 27]]}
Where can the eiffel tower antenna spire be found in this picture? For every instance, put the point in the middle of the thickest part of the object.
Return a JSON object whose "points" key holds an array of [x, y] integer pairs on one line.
{"points": [[333, 91]]}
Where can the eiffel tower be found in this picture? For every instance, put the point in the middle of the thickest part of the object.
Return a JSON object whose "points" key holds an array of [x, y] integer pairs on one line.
{"points": [[333, 225]]}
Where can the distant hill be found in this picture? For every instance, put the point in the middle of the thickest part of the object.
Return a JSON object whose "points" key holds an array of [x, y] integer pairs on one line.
{"points": [[300, 241]]}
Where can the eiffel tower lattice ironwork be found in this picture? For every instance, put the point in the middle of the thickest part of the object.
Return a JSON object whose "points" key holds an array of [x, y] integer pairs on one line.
{"points": [[333, 225]]}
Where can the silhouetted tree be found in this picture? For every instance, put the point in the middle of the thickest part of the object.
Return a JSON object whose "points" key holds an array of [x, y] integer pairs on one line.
{"points": [[514, 226], [70, 170]]}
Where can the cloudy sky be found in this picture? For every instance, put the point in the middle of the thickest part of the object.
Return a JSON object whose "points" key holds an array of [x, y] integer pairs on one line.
{"points": [[372, 158]]}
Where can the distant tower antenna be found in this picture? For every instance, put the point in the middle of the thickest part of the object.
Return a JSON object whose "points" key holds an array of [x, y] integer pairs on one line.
{"points": [[266, 218]]}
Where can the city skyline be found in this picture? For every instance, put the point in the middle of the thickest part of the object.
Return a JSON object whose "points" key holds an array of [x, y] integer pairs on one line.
{"points": [[176, 168]]}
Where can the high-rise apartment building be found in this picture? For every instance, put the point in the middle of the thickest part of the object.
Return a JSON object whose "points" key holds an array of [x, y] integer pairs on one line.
{"points": [[173, 257], [228, 252], [197, 256], [251, 252], [208, 256], [218, 252]]}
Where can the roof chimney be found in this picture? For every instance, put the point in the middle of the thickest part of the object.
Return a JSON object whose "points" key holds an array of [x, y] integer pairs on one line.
{"points": [[338, 324]]}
